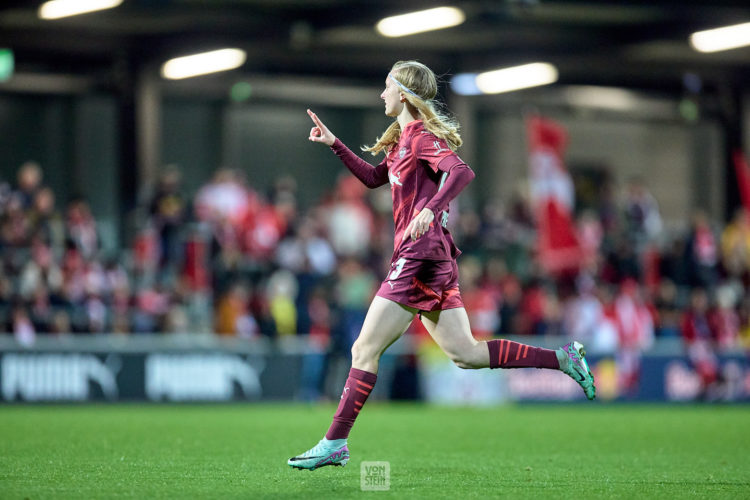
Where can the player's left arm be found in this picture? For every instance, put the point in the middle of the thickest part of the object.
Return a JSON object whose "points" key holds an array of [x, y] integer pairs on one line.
{"points": [[438, 157], [456, 176]]}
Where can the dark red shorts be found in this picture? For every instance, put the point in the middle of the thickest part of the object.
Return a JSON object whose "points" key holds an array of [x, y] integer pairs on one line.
{"points": [[426, 285]]}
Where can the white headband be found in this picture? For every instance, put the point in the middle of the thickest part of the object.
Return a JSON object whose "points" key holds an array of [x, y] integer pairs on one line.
{"points": [[402, 86]]}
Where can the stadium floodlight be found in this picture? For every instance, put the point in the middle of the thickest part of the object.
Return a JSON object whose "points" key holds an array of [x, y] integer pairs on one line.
{"points": [[420, 21], [56, 9], [718, 39], [203, 63], [516, 78], [465, 84], [592, 96]]}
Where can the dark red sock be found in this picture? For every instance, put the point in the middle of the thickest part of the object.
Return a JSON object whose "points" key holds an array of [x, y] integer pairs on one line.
{"points": [[509, 354], [358, 386]]}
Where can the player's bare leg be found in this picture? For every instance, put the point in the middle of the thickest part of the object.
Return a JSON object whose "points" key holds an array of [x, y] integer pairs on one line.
{"points": [[451, 330], [385, 322]]}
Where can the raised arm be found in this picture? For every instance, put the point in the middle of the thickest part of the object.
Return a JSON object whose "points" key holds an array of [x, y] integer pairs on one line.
{"points": [[370, 176], [320, 133]]}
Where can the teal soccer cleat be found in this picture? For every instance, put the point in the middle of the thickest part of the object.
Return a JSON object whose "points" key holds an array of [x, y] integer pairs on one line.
{"points": [[573, 363], [326, 452]]}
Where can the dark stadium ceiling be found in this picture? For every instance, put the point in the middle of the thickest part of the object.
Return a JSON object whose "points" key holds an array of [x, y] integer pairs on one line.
{"points": [[636, 44]]}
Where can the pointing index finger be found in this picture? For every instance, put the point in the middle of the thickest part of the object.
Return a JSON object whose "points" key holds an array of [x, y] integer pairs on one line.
{"points": [[315, 118]]}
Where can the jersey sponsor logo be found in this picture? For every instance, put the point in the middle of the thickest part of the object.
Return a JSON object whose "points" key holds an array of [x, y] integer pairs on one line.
{"points": [[439, 147], [394, 179], [402, 152]]}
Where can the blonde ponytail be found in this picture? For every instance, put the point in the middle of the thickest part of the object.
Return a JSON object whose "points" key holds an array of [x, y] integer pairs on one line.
{"points": [[422, 88]]}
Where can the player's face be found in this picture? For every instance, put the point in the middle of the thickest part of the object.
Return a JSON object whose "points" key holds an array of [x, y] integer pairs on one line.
{"points": [[392, 97]]}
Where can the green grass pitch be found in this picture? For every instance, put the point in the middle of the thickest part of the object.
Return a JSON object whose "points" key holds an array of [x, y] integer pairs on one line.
{"points": [[240, 451]]}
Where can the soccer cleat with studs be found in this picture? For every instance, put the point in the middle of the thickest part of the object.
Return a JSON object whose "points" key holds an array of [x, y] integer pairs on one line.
{"points": [[572, 359], [324, 453]]}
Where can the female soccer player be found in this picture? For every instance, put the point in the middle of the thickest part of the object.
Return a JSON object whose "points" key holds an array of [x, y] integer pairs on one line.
{"points": [[425, 175]]}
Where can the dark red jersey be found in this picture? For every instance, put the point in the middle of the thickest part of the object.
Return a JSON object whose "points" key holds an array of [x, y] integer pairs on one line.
{"points": [[423, 172]]}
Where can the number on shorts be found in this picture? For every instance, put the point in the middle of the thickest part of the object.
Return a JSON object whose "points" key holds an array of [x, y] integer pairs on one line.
{"points": [[399, 267]]}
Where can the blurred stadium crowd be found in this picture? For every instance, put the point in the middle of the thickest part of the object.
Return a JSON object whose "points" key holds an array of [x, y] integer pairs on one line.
{"points": [[236, 261]]}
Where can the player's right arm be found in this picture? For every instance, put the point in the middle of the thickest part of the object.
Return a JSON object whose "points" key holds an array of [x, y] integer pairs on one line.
{"points": [[320, 133], [370, 176]]}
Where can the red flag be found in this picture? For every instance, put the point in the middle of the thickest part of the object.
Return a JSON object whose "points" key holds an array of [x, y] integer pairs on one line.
{"points": [[552, 197], [742, 169]]}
